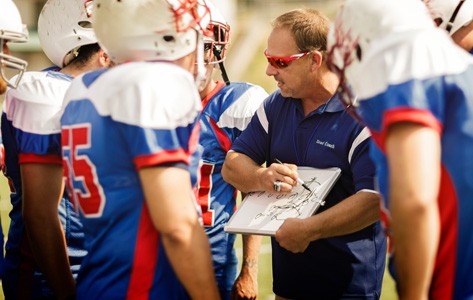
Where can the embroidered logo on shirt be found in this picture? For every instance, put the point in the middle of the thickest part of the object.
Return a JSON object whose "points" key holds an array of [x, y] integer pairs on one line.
{"points": [[326, 144]]}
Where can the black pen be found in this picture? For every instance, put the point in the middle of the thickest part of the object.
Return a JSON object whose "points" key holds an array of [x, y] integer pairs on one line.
{"points": [[298, 179]]}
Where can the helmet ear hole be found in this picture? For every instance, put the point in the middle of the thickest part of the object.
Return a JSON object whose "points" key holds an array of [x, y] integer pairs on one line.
{"points": [[85, 24], [169, 38], [358, 52]]}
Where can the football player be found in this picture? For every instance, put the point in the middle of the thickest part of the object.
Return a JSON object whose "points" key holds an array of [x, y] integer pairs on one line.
{"points": [[227, 109], [11, 30], [130, 141], [414, 92], [37, 263]]}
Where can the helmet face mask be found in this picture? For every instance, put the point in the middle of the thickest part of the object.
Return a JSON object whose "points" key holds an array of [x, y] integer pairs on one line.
{"points": [[216, 47], [182, 9], [11, 30], [63, 27], [343, 54]]}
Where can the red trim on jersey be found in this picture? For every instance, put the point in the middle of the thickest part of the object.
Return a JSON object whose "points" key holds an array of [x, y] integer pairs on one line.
{"points": [[210, 95], [164, 156], [53, 159], [225, 143], [222, 138], [145, 258], [442, 285], [405, 114]]}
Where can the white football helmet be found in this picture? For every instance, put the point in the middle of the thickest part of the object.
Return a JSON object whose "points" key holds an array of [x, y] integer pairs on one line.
{"points": [[136, 30], [63, 27], [451, 15], [11, 30], [219, 39], [359, 23]]}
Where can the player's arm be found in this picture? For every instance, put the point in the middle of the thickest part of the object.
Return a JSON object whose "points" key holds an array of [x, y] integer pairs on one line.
{"points": [[350, 215], [247, 176], [43, 186], [246, 284], [168, 195], [413, 153]]}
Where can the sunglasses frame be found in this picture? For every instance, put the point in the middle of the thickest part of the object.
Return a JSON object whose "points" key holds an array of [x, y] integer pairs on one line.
{"points": [[276, 61]]}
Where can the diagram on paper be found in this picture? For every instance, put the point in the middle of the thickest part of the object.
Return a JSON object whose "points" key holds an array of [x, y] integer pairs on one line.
{"points": [[263, 212], [289, 205]]}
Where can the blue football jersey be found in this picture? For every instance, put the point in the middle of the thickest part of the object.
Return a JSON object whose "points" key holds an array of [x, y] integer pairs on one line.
{"points": [[227, 111], [432, 85], [31, 134], [115, 122]]}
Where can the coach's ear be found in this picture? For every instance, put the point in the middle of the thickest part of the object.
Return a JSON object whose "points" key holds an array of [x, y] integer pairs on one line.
{"points": [[317, 58]]}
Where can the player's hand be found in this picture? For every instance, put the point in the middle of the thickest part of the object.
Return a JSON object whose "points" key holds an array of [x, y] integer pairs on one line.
{"points": [[293, 235], [245, 287], [285, 174]]}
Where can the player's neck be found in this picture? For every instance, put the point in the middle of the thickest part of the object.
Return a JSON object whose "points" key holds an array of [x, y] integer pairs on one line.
{"points": [[208, 89]]}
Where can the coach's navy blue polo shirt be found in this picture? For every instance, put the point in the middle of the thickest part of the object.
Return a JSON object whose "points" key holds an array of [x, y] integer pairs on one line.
{"points": [[333, 268]]}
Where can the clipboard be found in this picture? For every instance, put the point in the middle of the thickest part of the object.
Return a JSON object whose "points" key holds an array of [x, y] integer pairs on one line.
{"points": [[262, 213]]}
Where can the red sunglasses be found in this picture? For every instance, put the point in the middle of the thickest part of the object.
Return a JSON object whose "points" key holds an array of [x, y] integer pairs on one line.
{"points": [[280, 62]]}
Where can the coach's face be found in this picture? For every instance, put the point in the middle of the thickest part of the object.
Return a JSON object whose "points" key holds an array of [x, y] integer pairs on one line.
{"points": [[290, 68]]}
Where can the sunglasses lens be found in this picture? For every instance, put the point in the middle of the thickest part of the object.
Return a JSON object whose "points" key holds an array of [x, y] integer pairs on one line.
{"points": [[277, 63], [281, 63]]}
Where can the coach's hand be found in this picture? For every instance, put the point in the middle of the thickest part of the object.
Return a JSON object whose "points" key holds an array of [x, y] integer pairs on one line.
{"points": [[293, 235]]}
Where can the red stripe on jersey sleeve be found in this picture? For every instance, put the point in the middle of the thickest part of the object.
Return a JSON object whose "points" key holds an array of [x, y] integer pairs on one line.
{"points": [[36, 158], [161, 157], [405, 114]]}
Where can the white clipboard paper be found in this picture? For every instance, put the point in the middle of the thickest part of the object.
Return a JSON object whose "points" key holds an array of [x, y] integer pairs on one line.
{"points": [[262, 213]]}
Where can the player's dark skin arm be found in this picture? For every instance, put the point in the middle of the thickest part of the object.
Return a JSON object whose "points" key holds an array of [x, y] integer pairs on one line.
{"points": [[43, 186]]}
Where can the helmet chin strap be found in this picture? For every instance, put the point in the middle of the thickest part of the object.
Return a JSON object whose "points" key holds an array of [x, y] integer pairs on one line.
{"points": [[454, 15], [222, 67]]}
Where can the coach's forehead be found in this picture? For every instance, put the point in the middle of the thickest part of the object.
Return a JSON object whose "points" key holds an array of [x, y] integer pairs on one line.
{"points": [[281, 42]]}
